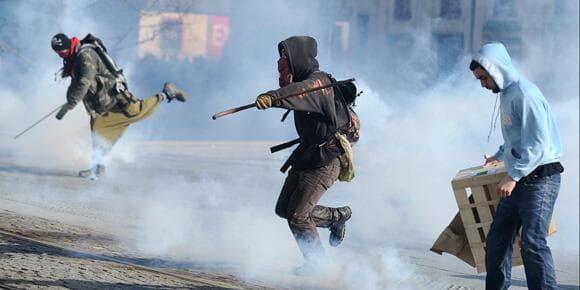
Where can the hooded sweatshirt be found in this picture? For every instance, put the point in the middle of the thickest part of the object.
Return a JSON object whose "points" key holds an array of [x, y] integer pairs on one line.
{"points": [[529, 129], [315, 112]]}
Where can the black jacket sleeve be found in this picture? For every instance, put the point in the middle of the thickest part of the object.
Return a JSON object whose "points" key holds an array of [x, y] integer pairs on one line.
{"points": [[320, 101]]}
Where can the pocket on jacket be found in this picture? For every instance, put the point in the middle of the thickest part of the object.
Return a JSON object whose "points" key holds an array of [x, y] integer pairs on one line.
{"points": [[104, 93]]}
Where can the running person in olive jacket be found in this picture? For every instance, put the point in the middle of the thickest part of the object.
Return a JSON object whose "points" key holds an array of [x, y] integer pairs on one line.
{"points": [[111, 107], [315, 164]]}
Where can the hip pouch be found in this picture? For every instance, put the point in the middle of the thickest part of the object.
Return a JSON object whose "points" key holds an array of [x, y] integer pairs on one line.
{"points": [[346, 160], [128, 104], [102, 101]]}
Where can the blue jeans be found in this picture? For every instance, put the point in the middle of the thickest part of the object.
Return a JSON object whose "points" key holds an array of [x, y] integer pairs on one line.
{"points": [[530, 207]]}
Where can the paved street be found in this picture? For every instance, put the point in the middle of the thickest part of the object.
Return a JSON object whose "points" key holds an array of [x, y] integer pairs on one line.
{"points": [[204, 213]]}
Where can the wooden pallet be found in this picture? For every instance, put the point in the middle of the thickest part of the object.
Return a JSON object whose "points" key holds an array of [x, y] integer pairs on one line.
{"points": [[475, 193], [474, 190]]}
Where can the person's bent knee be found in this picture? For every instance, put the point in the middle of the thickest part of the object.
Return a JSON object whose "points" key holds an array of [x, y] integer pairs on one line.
{"points": [[534, 245], [298, 222]]}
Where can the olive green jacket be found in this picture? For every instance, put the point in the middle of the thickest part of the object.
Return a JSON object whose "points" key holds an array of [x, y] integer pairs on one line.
{"points": [[91, 82]]}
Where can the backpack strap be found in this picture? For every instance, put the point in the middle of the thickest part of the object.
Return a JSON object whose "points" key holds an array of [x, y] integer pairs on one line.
{"points": [[120, 81], [338, 95], [285, 115], [105, 57], [284, 145]]}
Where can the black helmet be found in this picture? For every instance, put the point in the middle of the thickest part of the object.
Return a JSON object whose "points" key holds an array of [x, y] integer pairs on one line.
{"points": [[60, 42]]}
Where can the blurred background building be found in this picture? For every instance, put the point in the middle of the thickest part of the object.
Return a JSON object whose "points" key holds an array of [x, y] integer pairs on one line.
{"points": [[356, 30], [226, 49]]}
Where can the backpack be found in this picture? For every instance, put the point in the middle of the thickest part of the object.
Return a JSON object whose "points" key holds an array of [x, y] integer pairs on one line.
{"points": [[348, 126], [96, 44], [91, 39], [348, 122], [116, 86]]}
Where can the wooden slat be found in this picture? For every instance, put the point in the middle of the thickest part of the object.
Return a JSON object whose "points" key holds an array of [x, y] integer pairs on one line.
{"points": [[492, 191], [479, 194], [486, 229], [483, 191], [461, 197], [479, 204], [473, 237], [478, 170], [467, 217], [483, 204], [478, 255], [484, 225], [477, 180]]}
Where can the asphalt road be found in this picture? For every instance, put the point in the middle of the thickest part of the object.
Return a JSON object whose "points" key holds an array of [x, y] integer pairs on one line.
{"points": [[204, 211]]}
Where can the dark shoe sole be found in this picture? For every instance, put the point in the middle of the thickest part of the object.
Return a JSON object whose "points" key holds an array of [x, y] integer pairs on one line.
{"points": [[337, 234], [174, 93]]}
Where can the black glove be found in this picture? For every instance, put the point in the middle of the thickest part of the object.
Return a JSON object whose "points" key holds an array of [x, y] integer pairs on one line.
{"points": [[63, 110]]}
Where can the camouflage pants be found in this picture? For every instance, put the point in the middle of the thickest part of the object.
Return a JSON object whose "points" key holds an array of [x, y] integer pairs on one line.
{"points": [[298, 204], [107, 129]]}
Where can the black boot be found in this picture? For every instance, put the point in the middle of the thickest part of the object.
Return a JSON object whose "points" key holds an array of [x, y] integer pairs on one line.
{"points": [[174, 93], [337, 228]]}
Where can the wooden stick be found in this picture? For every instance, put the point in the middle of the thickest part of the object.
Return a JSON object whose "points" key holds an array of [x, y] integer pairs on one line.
{"points": [[245, 107], [45, 116]]}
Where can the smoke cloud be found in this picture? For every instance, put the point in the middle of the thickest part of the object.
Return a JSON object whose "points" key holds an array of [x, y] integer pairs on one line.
{"points": [[419, 127]]}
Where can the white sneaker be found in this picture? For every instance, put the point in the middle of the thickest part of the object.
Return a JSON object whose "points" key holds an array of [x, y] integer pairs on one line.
{"points": [[93, 176]]}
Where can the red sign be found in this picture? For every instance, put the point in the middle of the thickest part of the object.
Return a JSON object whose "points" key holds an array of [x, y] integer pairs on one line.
{"points": [[219, 29]]}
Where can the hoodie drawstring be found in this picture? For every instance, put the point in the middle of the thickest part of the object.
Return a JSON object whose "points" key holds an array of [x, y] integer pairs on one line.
{"points": [[494, 117]]}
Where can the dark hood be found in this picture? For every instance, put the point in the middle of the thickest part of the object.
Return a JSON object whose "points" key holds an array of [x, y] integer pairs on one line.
{"points": [[301, 52]]}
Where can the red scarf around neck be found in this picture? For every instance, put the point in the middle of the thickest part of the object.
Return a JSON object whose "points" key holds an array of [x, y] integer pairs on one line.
{"points": [[67, 60]]}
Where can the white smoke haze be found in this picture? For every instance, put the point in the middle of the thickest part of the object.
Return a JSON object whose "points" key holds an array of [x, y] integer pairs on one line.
{"points": [[417, 132], [415, 153], [68, 141]]}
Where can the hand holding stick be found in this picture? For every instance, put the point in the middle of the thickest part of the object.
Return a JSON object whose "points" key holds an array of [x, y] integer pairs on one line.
{"points": [[245, 107]]}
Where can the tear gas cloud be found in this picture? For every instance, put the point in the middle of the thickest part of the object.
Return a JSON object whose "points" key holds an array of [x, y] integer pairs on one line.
{"points": [[419, 127]]}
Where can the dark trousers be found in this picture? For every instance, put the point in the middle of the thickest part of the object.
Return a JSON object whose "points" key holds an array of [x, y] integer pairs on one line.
{"points": [[298, 204], [530, 207]]}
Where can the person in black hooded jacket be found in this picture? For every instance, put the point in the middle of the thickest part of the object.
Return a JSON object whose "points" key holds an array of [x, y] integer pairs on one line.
{"points": [[315, 163]]}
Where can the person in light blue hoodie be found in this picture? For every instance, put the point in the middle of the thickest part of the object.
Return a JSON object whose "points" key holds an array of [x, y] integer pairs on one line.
{"points": [[531, 153]]}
